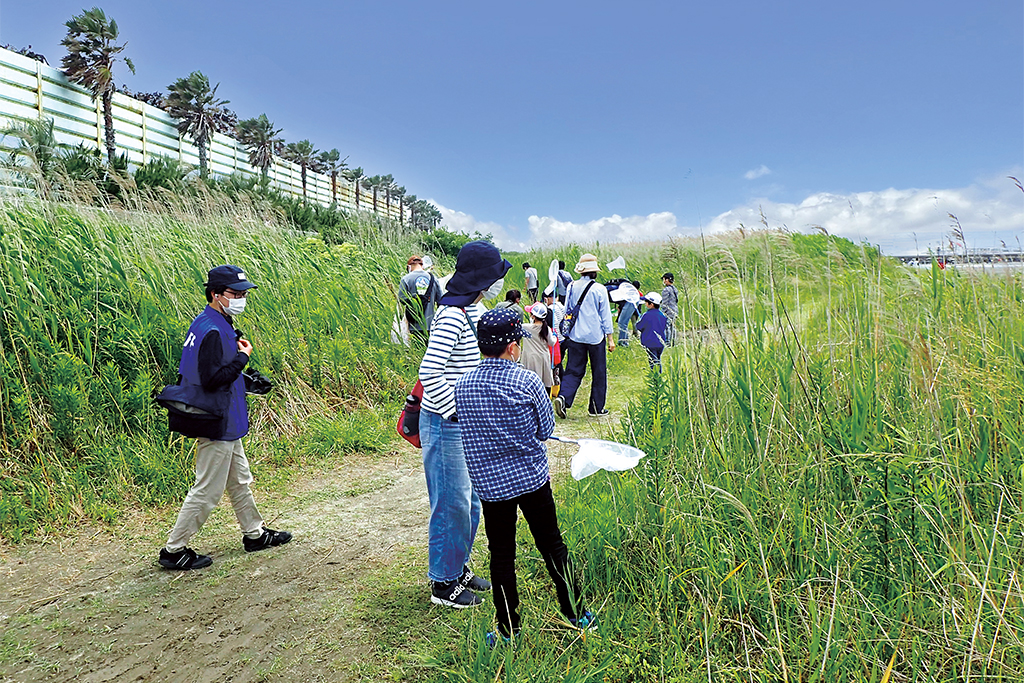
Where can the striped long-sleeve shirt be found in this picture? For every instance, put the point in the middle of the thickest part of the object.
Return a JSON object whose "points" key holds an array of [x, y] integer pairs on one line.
{"points": [[452, 351]]}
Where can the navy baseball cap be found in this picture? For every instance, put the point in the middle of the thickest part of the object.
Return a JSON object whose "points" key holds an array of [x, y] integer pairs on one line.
{"points": [[500, 326], [232, 277]]}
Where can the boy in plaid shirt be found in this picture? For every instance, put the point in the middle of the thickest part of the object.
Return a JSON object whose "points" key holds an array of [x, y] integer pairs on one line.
{"points": [[505, 416]]}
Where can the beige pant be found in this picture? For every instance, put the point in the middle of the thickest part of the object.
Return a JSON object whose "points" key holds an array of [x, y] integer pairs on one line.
{"points": [[220, 466]]}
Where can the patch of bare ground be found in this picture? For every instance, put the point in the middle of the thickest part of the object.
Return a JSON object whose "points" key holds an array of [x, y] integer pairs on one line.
{"points": [[97, 607]]}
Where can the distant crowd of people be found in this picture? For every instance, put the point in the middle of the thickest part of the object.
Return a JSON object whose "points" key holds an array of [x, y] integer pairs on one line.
{"points": [[493, 379]]}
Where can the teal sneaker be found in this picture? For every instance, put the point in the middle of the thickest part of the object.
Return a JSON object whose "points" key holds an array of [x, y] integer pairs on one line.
{"points": [[585, 622], [494, 639]]}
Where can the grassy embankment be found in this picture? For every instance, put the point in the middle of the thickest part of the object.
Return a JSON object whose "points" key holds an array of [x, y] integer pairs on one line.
{"points": [[834, 484], [833, 491], [95, 305]]}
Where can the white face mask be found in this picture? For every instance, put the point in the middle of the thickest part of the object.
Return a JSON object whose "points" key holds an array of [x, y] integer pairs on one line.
{"points": [[234, 306], [495, 289]]}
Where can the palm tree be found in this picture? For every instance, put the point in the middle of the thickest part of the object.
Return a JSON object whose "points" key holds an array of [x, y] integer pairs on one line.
{"points": [[425, 215], [195, 105], [37, 154], [304, 154], [373, 183], [399, 194], [333, 163], [90, 60], [410, 203], [355, 176], [387, 185], [259, 137]]}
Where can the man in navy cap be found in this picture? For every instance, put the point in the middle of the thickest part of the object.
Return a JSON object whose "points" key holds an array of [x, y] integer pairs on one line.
{"points": [[451, 351], [506, 416], [211, 365]]}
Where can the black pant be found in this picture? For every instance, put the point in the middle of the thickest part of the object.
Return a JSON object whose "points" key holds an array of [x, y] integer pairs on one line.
{"points": [[533, 294], [576, 356], [500, 524]]}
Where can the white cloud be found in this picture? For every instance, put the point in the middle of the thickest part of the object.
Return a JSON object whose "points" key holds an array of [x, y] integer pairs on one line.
{"points": [[459, 221], [614, 228], [897, 220], [900, 221], [756, 173]]}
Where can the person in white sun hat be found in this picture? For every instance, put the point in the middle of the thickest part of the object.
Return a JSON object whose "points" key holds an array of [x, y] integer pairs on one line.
{"points": [[588, 331], [653, 329]]}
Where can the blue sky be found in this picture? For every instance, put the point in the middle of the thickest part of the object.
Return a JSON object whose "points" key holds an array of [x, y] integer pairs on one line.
{"points": [[550, 121]]}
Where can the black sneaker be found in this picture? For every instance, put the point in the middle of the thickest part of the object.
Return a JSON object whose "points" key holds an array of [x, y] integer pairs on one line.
{"points": [[603, 411], [453, 594], [268, 539], [560, 406], [184, 559], [475, 583]]}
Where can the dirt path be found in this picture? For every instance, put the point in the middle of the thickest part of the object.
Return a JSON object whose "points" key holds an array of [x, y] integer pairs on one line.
{"points": [[96, 607]]}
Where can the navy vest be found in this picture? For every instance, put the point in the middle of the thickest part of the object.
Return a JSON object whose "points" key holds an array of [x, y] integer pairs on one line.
{"points": [[236, 421]]}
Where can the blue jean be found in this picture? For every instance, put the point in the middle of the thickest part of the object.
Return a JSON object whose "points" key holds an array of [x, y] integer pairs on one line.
{"points": [[627, 313], [576, 357], [454, 507]]}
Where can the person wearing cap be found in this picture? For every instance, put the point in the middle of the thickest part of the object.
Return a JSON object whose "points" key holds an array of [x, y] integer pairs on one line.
{"points": [[419, 293], [587, 303], [670, 306], [212, 361], [505, 417], [556, 311], [452, 351], [538, 343], [652, 327], [532, 281]]}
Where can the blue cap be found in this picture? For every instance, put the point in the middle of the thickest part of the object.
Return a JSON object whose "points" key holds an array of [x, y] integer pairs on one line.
{"points": [[231, 277]]}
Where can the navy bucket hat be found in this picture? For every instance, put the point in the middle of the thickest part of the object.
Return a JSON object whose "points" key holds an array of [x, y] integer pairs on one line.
{"points": [[478, 266]]}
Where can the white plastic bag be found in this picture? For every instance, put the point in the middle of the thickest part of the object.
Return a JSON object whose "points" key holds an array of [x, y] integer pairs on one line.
{"points": [[596, 454]]}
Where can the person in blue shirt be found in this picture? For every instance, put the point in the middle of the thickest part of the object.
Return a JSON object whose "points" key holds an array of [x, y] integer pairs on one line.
{"points": [[591, 321], [562, 282], [212, 361], [505, 417], [653, 329]]}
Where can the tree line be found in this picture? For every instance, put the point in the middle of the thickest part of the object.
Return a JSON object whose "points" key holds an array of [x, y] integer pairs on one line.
{"points": [[93, 52]]}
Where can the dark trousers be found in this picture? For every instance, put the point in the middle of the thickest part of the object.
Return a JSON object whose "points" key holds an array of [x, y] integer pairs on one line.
{"points": [[576, 359], [500, 524], [533, 294], [654, 356]]}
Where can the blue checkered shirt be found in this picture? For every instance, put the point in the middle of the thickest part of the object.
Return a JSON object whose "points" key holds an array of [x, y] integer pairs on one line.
{"points": [[504, 416]]}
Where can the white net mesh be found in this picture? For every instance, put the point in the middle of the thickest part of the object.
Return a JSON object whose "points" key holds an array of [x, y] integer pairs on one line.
{"points": [[595, 454]]}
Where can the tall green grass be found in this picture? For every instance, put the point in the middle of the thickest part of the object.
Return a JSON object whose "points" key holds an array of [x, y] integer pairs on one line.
{"points": [[95, 306], [833, 490]]}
